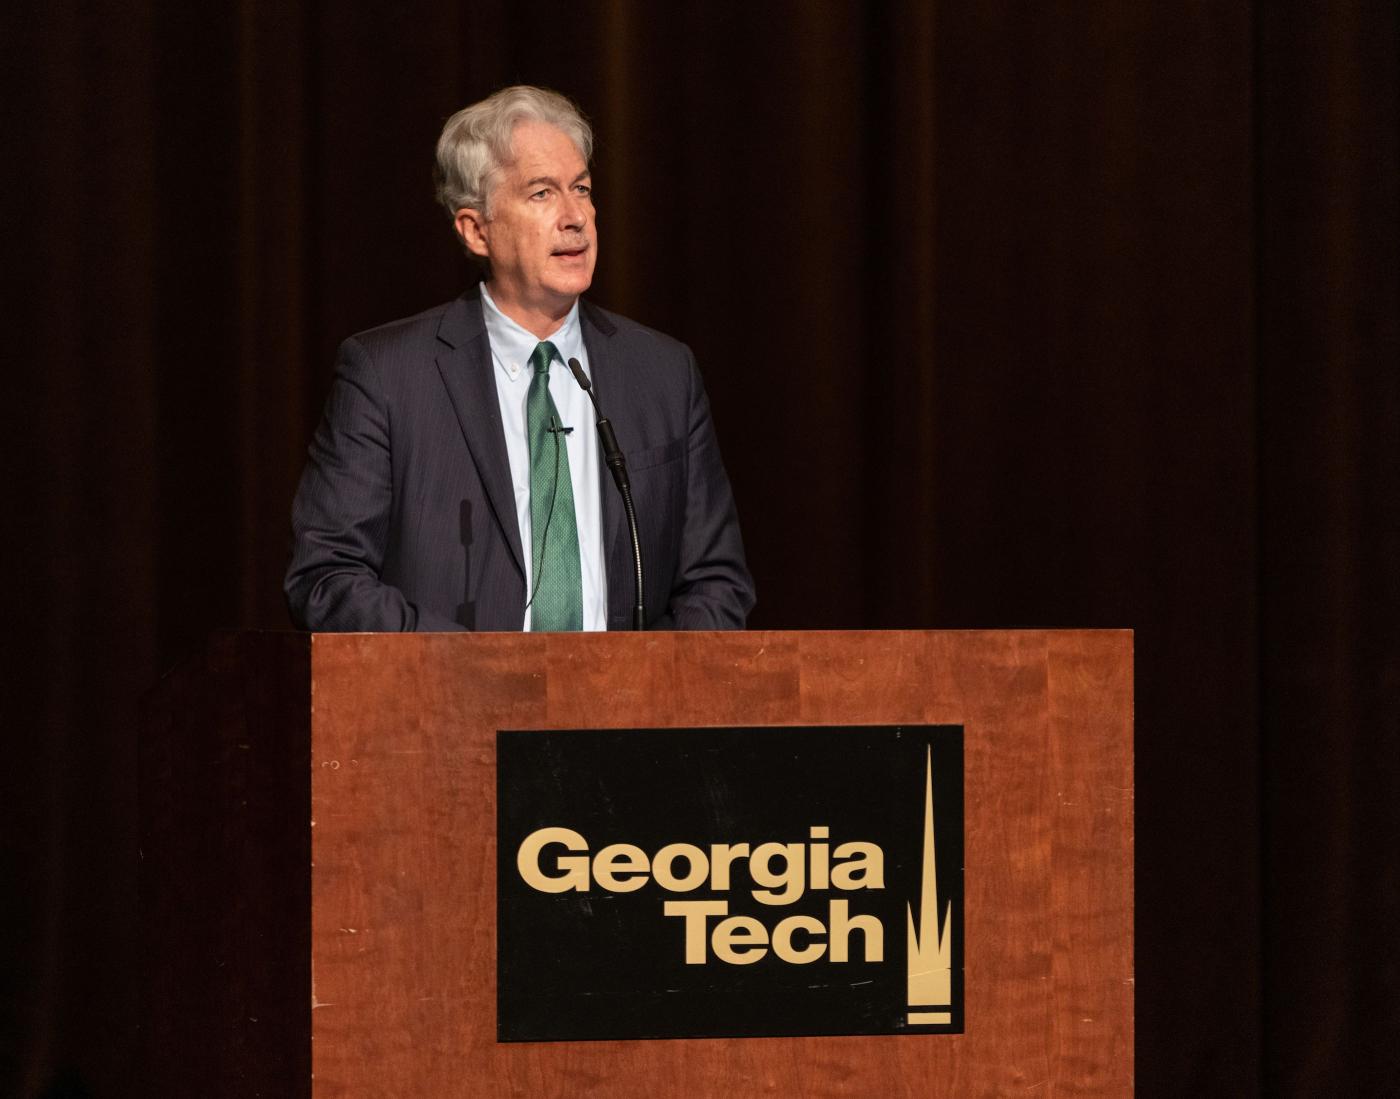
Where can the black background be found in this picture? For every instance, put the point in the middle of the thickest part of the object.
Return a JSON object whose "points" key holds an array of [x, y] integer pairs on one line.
{"points": [[598, 964], [1011, 315]]}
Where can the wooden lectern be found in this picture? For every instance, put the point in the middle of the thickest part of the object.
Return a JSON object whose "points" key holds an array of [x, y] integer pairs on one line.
{"points": [[319, 857]]}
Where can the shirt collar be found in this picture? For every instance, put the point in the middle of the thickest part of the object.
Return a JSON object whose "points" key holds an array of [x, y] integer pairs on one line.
{"points": [[512, 345]]}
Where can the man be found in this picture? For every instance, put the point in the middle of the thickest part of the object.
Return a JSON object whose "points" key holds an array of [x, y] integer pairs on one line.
{"points": [[455, 481]]}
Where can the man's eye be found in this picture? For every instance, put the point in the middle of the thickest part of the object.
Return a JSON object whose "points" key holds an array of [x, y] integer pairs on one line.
{"points": [[540, 194], [584, 189]]}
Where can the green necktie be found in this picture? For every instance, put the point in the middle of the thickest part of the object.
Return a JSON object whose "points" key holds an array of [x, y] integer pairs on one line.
{"points": [[557, 600]]}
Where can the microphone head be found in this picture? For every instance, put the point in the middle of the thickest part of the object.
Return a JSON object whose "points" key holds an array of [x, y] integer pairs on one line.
{"points": [[579, 376]]}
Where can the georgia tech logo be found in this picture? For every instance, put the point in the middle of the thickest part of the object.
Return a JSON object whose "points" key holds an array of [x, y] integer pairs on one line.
{"points": [[777, 873], [558, 860], [729, 882]]}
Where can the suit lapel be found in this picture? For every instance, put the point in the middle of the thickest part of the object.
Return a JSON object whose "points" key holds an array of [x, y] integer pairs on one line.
{"points": [[465, 365], [605, 372]]}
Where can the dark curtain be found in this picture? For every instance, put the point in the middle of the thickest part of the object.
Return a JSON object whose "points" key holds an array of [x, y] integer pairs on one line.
{"points": [[1010, 315]]}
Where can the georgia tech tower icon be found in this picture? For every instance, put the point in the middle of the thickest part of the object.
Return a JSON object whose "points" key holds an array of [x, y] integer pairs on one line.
{"points": [[930, 943]]}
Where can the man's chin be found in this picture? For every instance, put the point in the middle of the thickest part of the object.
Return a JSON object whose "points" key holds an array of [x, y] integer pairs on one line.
{"points": [[571, 284]]}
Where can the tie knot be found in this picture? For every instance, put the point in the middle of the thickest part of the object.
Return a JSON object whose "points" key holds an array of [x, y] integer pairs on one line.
{"points": [[543, 354]]}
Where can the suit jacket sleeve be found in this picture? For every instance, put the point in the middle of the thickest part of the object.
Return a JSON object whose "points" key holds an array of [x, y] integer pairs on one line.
{"points": [[712, 589], [342, 514]]}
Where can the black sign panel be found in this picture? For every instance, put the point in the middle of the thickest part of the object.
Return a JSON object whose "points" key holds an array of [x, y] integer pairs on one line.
{"points": [[721, 882]]}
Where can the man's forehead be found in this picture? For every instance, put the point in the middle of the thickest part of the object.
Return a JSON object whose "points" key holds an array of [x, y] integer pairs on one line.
{"points": [[536, 143]]}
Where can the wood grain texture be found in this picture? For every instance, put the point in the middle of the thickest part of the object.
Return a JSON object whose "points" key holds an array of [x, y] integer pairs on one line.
{"points": [[403, 886]]}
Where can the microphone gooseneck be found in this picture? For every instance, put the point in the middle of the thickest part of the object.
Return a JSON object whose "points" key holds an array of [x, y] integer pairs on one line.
{"points": [[617, 463]]}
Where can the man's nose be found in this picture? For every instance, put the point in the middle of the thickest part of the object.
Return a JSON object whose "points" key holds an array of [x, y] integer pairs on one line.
{"points": [[574, 213]]}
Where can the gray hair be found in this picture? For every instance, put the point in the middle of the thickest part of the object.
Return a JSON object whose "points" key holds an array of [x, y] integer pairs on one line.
{"points": [[476, 142]]}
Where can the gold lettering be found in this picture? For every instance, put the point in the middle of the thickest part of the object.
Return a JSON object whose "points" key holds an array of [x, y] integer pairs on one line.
{"points": [[620, 859], [821, 858], [721, 856], [842, 926], [740, 940], [575, 867], [663, 867], [791, 879], [866, 859], [694, 913], [782, 940]]}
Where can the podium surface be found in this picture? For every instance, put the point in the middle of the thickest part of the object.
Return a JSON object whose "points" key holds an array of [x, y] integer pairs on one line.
{"points": [[320, 864]]}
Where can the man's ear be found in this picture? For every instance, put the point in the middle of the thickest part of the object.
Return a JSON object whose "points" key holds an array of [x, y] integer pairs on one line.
{"points": [[471, 227]]}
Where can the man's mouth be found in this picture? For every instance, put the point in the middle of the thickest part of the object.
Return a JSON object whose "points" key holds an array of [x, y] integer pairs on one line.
{"points": [[570, 253]]}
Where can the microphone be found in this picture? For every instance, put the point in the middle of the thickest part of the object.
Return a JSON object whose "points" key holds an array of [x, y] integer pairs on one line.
{"points": [[613, 457]]}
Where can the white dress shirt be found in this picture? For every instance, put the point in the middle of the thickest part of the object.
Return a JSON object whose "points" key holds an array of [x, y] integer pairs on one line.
{"points": [[511, 347]]}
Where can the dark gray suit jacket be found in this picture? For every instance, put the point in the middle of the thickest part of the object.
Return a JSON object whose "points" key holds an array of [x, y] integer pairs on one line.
{"points": [[405, 516]]}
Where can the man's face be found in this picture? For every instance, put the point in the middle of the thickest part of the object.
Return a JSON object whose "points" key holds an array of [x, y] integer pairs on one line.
{"points": [[540, 238]]}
